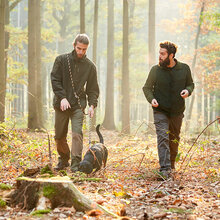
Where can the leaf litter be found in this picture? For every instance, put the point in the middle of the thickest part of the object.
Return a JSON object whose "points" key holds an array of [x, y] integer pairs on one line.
{"points": [[129, 185]]}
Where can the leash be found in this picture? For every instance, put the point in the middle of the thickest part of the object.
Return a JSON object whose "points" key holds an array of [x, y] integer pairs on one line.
{"points": [[77, 97], [74, 90], [90, 142], [90, 128]]}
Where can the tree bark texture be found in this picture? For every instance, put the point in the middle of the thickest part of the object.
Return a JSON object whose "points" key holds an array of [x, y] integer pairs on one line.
{"points": [[94, 48], [82, 16], [108, 122], [35, 104], [2, 60], [151, 46], [125, 72], [194, 63], [60, 192]]}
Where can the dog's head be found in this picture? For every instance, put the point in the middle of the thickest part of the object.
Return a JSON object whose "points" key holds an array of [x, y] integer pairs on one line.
{"points": [[85, 167]]}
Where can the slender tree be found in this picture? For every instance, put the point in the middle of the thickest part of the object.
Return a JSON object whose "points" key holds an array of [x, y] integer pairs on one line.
{"points": [[151, 45], [95, 30], [109, 103], [94, 46], [2, 60], [34, 66], [82, 16], [125, 72], [63, 20], [194, 64]]}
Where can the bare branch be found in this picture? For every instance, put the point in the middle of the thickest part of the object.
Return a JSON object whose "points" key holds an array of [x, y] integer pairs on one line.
{"points": [[217, 119], [14, 4]]}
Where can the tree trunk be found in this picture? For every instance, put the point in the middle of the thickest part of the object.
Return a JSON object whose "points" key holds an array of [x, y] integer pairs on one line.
{"points": [[211, 100], [34, 67], [108, 122], [94, 48], [8, 9], [151, 45], [57, 192], [206, 109], [125, 72], [194, 63], [82, 16], [2, 60]]}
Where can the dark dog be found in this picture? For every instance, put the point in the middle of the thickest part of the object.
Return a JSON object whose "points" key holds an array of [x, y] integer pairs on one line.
{"points": [[95, 156]]}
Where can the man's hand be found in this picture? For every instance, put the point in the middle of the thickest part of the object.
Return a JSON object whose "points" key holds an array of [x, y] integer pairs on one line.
{"points": [[91, 111], [154, 103], [184, 93], [64, 104]]}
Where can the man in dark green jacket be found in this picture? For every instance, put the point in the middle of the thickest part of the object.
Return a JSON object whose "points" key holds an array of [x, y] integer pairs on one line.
{"points": [[74, 79], [167, 86]]}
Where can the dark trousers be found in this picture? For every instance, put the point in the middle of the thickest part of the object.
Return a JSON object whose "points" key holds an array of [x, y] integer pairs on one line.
{"points": [[168, 131], [61, 128]]}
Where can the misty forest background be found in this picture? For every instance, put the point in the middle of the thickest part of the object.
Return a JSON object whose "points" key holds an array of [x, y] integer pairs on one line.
{"points": [[124, 37]]}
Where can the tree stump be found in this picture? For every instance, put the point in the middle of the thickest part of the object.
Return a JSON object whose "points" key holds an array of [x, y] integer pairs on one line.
{"points": [[53, 192]]}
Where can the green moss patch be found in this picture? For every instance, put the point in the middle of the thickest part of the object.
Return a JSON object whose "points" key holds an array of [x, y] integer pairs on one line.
{"points": [[179, 210], [39, 213], [49, 191], [45, 170], [4, 186], [2, 203]]}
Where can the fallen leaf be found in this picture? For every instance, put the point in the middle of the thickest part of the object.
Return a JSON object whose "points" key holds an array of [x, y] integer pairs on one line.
{"points": [[95, 213]]}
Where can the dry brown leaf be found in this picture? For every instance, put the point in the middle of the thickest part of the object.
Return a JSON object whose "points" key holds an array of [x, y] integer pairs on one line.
{"points": [[160, 215], [100, 202], [123, 211], [94, 212]]}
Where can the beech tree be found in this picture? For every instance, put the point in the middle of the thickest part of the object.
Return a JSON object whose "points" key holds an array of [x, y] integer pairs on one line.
{"points": [[82, 16], [35, 105], [151, 45], [108, 122], [125, 72], [2, 60]]}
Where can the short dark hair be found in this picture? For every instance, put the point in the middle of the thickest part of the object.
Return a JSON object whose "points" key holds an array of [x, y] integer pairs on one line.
{"points": [[81, 38], [171, 47]]}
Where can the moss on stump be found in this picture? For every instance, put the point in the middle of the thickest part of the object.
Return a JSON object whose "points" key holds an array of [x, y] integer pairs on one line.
{"points": [[60, 191]]}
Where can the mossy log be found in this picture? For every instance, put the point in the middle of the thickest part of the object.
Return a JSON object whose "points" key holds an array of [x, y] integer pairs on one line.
{"points": [[56, 191]]}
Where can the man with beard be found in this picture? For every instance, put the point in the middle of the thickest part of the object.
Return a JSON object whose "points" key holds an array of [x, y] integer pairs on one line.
{"points": [[74, 79], [167, 86]]}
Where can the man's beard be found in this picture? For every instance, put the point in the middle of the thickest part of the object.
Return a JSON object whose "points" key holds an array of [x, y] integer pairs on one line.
{"points": [[79, 56], [164, 63]]}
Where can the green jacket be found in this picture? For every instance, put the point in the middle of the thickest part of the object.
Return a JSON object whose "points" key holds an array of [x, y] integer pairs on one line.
{"points": [[166, 84], [84, 78]]}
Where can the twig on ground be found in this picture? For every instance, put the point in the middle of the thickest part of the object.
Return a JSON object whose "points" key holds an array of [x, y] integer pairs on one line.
{"points": [[150, 127], [193, 146], [139, 128], [11, 129], [125, 159], [49, 148]]}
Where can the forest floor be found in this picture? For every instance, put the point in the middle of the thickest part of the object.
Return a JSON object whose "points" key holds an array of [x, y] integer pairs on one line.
{"points": [[129, 186]]}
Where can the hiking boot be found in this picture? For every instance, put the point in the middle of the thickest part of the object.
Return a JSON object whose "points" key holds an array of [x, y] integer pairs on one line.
{"points": [[166, 174], [75, 163], [163, 175], [61, 164]]}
